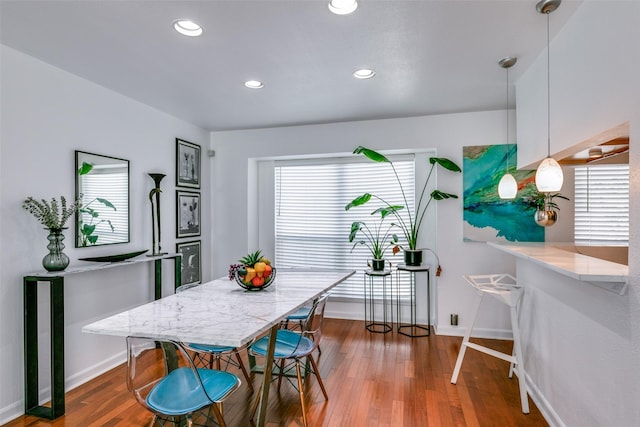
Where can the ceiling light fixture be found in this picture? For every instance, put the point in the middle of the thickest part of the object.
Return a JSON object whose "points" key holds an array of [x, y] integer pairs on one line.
{"points": [[364, 73], [595, 153], [343, 7], [508, 187], [549, 175], [187, 27], [254, 84]]}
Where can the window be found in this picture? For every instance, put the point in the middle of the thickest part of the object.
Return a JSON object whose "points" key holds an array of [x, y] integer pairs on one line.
{"points": [[602, 205], [311, 224]]}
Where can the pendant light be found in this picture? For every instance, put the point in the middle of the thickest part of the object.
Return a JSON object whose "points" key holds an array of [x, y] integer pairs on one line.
{"points": [[508, 187], [549, 174]]}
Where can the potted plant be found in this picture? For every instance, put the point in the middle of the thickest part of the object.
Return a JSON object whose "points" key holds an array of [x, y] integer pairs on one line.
{"points": [[375, 239], [546, 213], [411, 227], [53, 216]]}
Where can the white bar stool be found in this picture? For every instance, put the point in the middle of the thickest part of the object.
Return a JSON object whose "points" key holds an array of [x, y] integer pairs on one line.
{"points": [[504, 288]]}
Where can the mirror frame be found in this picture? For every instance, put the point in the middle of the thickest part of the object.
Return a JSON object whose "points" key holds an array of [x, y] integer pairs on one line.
{"points": [[82, 157]]}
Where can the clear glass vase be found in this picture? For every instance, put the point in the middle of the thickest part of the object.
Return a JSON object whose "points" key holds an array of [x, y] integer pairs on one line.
{"points": [[55, 260]]}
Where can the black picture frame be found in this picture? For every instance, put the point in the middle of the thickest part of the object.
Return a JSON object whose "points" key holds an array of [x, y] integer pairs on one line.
{"points": [[187, 214], [191, 266], [188, 170]]}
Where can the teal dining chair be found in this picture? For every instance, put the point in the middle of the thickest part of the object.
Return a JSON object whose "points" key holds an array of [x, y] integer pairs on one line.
{"points": [[216, 356], [164, 380], [298, 318], [291, 348]]}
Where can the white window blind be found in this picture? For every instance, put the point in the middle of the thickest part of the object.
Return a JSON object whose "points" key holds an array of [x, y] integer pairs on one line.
{"points": [[602, 205], [311, 225], [111, 186]]}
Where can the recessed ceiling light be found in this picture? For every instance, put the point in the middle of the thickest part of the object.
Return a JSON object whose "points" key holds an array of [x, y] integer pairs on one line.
{"points": [[254, 84], [187, 27], [364, 74], [343, 7]]}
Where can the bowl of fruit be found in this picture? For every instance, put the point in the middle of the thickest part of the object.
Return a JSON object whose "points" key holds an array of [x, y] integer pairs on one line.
{"points": [[255, 273]]}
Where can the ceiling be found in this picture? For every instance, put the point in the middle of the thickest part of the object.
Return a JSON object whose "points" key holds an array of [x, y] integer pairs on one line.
{"points": [[431, 57]]}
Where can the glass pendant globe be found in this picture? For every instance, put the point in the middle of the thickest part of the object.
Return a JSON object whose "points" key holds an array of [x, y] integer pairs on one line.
{"points": [[508, 187], [549, 176]]}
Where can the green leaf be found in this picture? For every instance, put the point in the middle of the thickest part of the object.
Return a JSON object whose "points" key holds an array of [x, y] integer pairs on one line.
{"points": [[440, 195], [85, 168], [92, 239], [371, 155], [87, 229], [355, 227], [390, 210], [445, 163], [360, 200], [106, 203]]}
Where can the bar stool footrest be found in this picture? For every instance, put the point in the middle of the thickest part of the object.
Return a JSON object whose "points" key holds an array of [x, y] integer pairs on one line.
{"points": [[491, 352]]}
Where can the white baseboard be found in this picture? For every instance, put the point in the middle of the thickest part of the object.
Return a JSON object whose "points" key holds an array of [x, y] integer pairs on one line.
{"points": [[459, 331], [11, 412], [16, 409], [543, 405]]}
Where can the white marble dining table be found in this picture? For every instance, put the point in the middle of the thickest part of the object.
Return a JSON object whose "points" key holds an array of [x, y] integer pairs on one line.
{"points": [[220, 312]]}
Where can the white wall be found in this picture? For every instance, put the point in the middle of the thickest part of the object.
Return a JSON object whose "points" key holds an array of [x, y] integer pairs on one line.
{"points": [[447, 134], [46, 115], [582, 345]]}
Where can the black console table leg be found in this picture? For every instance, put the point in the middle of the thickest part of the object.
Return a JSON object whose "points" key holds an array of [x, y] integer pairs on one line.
{"points": [[56, 292]]}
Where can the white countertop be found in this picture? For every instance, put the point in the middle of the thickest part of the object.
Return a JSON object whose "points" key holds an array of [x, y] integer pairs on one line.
{"points": [[605, 274]]}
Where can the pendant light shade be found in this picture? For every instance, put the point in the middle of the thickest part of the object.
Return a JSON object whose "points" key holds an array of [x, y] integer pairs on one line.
{"points": [[507, 187], [549, 176]]}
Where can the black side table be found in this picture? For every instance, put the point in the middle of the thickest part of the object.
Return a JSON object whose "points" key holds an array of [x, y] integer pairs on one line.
{"points": [[370, 322], [412, 329]]}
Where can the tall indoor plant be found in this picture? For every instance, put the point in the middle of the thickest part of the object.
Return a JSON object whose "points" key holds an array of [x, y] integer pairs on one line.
{"points": [[411, 227], [376, 238]]}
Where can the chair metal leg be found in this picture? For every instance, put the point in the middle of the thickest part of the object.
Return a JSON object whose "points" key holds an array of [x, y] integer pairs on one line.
{"points": [[280, 373], [465, 340], [317, 372], [255, 404], [524, 400], [218, 415], [301, 392], [244, 371]]}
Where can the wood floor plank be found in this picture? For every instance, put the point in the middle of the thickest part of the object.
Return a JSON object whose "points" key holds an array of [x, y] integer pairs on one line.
{"points": [[373, 380]]}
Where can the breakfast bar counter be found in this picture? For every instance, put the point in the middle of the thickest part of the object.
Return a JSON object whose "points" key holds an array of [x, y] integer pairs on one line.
{"points": [[608, 275]]}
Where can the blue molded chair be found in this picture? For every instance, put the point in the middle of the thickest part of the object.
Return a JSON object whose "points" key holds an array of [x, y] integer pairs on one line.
{"points": [[214, 356], [298, 317], [163, 378], [292, 347]]}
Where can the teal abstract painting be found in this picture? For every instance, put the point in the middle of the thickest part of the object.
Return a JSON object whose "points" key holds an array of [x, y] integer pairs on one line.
{"points": [[486, 216]]}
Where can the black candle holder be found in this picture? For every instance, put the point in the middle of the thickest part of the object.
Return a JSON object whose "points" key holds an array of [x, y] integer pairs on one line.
{"points": [[155, 214]]}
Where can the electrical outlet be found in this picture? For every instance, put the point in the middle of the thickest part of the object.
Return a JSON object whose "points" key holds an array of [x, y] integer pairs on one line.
{"points": [[454, 320]]}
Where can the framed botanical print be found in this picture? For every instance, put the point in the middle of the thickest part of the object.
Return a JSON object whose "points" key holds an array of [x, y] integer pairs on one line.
{"points": [[187, 164], [188, 214], [191, 269]]}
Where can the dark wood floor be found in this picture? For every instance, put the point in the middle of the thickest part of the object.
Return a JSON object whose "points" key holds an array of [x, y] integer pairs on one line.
{"points": [[372, 380]]}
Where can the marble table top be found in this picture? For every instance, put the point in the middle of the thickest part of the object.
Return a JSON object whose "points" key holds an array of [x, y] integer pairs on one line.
{"points": [[220, 312]]}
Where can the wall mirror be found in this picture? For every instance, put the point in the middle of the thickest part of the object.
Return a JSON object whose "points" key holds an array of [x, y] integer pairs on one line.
{"points": [[103, 183]]}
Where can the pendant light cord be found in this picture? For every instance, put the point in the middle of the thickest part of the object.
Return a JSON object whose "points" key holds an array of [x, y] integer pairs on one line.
{"points": [[507, 105], [548, 90]]}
